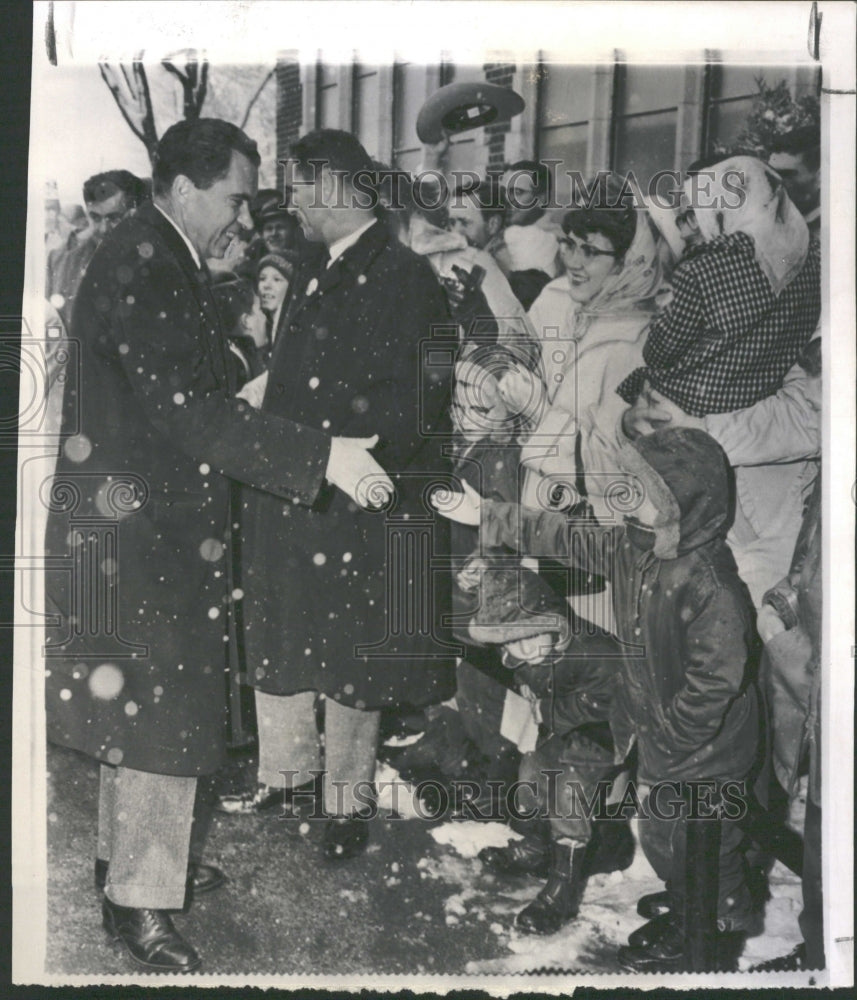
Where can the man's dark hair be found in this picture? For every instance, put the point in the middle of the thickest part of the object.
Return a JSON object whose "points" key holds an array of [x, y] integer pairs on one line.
{"points": [[200, 150], [102, 186], [539, 172], [804, 142], [337, 150], [619, 225], [488, 194]]}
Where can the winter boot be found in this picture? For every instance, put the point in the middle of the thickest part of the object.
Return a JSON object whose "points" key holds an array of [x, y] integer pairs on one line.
{"points": [[530, 856], [653, 904], [559, 900], [611, 848], [659, 947]]}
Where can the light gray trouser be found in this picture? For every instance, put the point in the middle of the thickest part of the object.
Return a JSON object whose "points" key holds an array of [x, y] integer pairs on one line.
{"points": [[144, 832], [289, 741]]}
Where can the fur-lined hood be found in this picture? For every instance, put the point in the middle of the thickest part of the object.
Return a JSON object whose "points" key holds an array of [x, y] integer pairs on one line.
{"points": [[687, 476]]}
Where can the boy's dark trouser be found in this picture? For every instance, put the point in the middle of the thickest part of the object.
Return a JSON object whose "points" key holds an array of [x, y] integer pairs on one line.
{"points": [[664, 843], [811, 919], [582, 763]]}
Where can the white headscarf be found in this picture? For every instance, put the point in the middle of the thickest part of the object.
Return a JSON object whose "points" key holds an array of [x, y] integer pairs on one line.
{"points": [[737, 197]]}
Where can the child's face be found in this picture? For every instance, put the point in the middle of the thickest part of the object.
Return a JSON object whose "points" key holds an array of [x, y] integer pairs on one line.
{"points": [[272, 289], [646, 513]]}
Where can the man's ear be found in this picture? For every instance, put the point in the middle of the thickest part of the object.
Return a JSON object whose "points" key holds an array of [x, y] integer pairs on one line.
{"points": [[181, 187], [331, 187], [494, 224]]}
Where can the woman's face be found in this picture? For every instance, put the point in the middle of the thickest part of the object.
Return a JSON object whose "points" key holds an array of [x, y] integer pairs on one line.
{"points": [[272, 289], [588, 260]]}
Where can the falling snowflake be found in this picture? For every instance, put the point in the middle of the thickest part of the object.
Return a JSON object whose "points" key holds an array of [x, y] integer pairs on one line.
{"points": [[106, 681], [319, 559], [211, 550], [78, 448]]}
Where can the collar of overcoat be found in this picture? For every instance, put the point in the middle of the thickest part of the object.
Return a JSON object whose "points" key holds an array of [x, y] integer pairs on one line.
{"points": [[199, 280], [348, 267]]}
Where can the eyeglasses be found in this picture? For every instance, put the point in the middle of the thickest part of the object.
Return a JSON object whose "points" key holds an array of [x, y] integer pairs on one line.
{"points": [[587, 249]]}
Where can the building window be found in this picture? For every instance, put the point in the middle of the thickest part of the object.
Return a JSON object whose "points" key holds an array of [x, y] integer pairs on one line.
{"points": [[409, 94], [645, 121], [565, 98], [327, 96], [366, 108], [732, 91]]}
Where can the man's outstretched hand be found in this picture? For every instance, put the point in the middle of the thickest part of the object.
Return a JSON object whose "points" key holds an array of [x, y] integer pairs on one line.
{"points": [[353, 470]]}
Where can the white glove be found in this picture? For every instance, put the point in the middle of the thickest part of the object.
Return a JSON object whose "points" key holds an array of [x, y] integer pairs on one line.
{"points": [[254, 391], [353, 470]]}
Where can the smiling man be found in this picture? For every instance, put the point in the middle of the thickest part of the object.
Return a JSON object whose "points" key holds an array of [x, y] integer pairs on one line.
{"points": [[321, 582], [150, 432]]}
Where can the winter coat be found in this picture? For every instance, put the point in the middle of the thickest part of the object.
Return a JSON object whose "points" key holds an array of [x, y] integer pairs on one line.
{"points": [[792, 660], [683, 616], [575, 688], [343, 600], [774, 447], [581, 376], [139, 508]]}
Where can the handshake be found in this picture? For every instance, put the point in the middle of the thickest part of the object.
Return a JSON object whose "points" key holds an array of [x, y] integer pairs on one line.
{"points": [[350, 467]]}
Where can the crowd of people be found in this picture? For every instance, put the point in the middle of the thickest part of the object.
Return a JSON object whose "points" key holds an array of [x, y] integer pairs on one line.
{"points": [[621, 464]]}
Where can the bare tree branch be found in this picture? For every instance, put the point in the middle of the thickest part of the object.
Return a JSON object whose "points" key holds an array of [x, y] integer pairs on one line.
{"points": [[194, 83], [133, 98], [256, 97]]}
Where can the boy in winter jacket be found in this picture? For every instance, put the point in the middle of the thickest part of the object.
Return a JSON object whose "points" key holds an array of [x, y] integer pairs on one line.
{"points": [[566, 668], [684, 620]]}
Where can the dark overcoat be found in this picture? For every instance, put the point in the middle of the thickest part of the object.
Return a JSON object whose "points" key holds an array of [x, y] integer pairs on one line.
{"points": [[339, 599], [139, 508]]}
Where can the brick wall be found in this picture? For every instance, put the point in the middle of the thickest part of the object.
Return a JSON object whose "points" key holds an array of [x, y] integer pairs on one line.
{"points": [[289, 109], [502, 75]]}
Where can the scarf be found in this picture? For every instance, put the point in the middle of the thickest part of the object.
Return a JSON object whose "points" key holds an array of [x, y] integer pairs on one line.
{"points": [[628, 290], [738, 199]]}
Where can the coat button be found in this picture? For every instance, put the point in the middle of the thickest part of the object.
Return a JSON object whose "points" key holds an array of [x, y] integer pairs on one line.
{"points": [[281, 387]]}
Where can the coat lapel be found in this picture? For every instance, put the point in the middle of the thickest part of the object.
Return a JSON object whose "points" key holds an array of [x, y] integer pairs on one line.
{"points": [[199, 281]]}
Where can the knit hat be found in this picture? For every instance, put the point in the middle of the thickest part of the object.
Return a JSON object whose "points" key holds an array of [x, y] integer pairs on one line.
{"points": [[687, 476], [285, 265]]}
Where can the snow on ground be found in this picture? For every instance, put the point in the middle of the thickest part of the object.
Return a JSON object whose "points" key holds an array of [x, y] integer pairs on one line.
{"points": [[607, 915]]}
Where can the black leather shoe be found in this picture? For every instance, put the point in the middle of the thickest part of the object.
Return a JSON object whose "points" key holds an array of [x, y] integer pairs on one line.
{"points": [[149, 938], [521, 857], [345, 836], [200, 878], [663, 952], [654, 930], [654, 904]]}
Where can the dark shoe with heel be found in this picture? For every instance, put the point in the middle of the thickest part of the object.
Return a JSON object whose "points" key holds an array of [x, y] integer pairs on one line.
{"points": [[559, 900], [149, 937]]}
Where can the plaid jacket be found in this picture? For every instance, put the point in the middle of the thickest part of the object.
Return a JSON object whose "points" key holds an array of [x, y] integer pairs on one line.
{"points": [[726, 340]]}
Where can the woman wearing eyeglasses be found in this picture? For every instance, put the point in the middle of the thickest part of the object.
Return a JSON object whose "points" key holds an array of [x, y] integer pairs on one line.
{"points": [[591, 323]]}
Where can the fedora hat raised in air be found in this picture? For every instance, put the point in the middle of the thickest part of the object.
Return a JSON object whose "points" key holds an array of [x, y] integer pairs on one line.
{"points": [[458, 107]]}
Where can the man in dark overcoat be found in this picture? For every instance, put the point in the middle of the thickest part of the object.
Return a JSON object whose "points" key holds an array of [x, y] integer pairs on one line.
{"points": [[342, 602], [138, 526]]}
